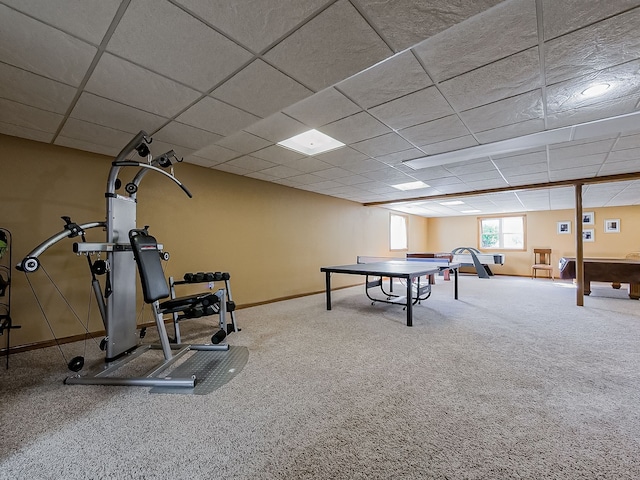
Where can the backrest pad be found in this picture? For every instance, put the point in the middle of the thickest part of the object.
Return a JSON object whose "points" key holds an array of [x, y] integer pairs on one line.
{"points": [[145, 251]]}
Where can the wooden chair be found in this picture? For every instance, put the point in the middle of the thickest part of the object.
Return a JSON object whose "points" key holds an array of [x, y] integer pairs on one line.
{"points": [[542, 261]]}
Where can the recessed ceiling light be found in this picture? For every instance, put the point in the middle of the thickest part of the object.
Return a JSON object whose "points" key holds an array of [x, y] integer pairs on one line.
{"points": [[470, 211], [452, 202], [410, 185], [594, 90], [311, 142]]}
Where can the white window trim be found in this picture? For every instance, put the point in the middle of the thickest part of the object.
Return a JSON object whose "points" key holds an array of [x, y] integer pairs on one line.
{"points": [[501, 246]]}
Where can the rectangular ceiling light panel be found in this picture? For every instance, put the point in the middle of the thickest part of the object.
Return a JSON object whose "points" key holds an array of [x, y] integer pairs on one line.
{"points": [[410, 185], [311, 142]]}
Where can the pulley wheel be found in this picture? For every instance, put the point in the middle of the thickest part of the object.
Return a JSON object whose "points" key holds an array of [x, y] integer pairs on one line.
{"points": [[76, 364]]}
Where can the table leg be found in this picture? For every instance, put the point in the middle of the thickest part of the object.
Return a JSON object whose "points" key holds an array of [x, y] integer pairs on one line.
{"points": [[409, 303], [455, 281], [328, 289]]}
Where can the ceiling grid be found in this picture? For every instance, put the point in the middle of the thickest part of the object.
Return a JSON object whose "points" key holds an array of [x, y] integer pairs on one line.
{"points": [[395, 80]]}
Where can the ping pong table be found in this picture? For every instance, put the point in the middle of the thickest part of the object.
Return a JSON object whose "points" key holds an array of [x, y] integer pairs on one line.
{"points": [[410, 270]]}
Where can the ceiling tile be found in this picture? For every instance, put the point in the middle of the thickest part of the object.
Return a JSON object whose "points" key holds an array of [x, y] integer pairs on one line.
{"points": [[95, 134], [504, 78], [342, 156], [435, 131], [382, 145], [394, 77], [364, 166], [255, 23], [623, 81], [215, 154], [413, 109], [579, 148], [261, 89], [200, 59], [88, 19], [333, 173], [353, 180], [474, 43], [86, 146], [277, 127], [108, 113], [305, 179], [321, 108], [608, 108], [243, 142], [321, 187], [563, 163], [377, 187], [526, 169], [528, 179], [488, 183], [355, 128], [406, 22], [511, 110], [308, 165], [261, 176], [309, 53], [525, 157], [572, 173], [278, 155], [387, 175], [215, 116], [624, 155], [250, 163], [467, 168], [225, 167], [28, 117], [627, 141], [31, 89], [200, 161], [397, 158], [511, 131], [568, 15], [449, 145], [31, 45], [186, 136], [24, 132], [435, 172], [452, 188], [614, 168], [581, 52], [281, 171], [132, 85]]}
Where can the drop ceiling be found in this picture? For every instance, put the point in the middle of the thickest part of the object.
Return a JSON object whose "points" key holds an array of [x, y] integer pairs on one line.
{"points": [[222, 82]]}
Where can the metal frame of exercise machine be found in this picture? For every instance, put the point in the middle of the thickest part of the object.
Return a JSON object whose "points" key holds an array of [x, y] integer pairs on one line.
{"points": [[118, 304]]}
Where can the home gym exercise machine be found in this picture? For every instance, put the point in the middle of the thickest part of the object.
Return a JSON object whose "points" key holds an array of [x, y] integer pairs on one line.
{"points": [[6, 244], [126, 248]]}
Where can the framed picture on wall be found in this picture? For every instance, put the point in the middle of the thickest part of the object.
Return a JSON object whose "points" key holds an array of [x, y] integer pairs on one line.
{"points": [[588, 235], [564, 227], [612, 225], [588, 218]]}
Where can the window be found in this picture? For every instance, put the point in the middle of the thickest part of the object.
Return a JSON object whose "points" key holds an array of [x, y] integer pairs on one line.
{"points": [[398, 232], [504, 233]]}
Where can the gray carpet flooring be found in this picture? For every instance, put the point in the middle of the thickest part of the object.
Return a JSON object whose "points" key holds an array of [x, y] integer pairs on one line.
{"points": [[512, 381]]}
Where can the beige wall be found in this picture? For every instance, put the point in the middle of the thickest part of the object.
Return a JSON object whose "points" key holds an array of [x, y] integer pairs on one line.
{"points": [[445, 234], [272, 239]]}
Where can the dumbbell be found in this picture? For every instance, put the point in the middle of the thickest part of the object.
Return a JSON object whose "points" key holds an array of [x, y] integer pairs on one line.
{"points": [[194, 277]]}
